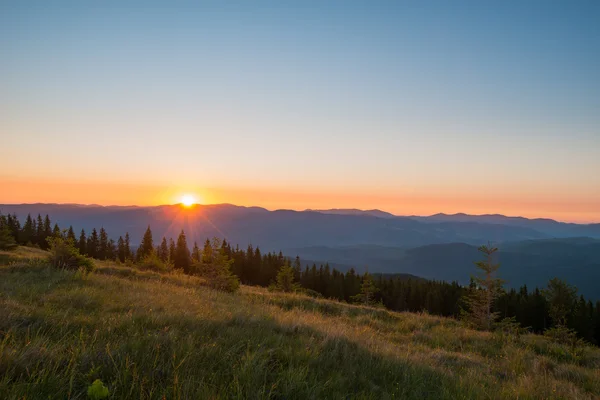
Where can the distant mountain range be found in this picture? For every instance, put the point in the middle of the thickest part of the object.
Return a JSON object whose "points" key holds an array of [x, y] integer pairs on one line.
{"points": [[440, 246]]}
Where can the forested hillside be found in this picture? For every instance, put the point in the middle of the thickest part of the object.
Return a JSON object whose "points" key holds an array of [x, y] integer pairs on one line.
{"points": [[254, 267]]}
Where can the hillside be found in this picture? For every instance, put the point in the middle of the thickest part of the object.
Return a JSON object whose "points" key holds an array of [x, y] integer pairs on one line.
{"points": [[147, 335], [530, 263]]}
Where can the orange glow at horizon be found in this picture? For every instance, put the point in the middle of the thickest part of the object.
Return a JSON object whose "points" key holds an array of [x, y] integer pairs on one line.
{"points": [[529, 205]]}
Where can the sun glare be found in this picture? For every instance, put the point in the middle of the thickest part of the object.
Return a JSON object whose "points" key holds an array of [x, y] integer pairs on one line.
{"points": [[188, 200]]}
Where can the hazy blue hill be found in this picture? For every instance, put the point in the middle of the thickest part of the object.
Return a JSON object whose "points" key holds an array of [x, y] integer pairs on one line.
{"points": [[355, 211], [273, 230], [546, 226], [442, 248]]}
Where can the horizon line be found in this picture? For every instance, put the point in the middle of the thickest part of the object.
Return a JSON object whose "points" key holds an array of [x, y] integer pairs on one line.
{"points": [[322, 211]]}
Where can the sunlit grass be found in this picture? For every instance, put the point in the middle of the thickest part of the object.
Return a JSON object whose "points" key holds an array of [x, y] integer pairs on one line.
{"points": [[149, 335]]}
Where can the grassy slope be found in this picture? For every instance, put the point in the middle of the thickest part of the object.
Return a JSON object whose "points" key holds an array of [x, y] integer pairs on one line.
{"points": [[152, 336]]}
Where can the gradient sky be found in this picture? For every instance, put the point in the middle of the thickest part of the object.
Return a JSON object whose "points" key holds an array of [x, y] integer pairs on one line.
{"points": [[414, 107]]}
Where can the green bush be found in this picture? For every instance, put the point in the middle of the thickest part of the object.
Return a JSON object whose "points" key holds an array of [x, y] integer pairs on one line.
{"points": [[97, 390], [151, 262], [64, 255]]}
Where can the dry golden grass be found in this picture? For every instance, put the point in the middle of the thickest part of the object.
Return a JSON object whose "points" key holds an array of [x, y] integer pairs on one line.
{"points": [[148, 335]]}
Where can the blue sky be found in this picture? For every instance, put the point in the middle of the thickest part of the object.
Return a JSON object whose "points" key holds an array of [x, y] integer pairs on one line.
{"points": [[489, 103]]}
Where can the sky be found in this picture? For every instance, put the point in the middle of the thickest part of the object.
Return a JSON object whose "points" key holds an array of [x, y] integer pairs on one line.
{"points": [[413, 107]]}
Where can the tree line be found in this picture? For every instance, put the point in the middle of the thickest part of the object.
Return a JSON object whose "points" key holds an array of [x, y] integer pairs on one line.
{"points": [[484, 298]]}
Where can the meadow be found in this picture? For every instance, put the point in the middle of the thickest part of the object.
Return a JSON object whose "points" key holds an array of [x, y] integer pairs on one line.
{"points": [[148, 335]]}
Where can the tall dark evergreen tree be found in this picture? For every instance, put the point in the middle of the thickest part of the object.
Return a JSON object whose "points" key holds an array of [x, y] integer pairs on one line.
{"points": [[111, 250], [163, 250], [121, 253], [14, 226], [82, 243], [47, 230], [26, 235], [71, 235], [182, 253], [128, 253], [40, 238], [92, 244], [56, 232], [7, 241], [103, 245], [147, 246], [196, 255], [481, 300], [172, 250]]}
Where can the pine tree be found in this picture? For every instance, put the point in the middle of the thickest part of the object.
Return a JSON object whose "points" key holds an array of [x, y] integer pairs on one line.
{"points": [[147, 246], [163, 250], [71, 236], [40, 238], [172, 250], [285, 281], [128, 253], [7, 241], [92, 244], [14, 226], [82, 244], [367, 290], [182, 254], [297, 269], [47, 231], [34, 237], [216, 267], [121, 254], [26, 235], [56, 232], [111, 250], [103, 245], [196, 256], [481, 299], [561, 298]]}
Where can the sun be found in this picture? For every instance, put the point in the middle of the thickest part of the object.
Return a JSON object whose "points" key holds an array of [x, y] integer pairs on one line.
{"points": [[188, 200]]}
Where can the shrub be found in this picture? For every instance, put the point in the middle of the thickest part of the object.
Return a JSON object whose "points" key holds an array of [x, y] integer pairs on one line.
{"points": [[64, 255], [7, 242], [284, 282], [563, 335], [509, 330], [152, 262], [97, 390], [215, 267]]}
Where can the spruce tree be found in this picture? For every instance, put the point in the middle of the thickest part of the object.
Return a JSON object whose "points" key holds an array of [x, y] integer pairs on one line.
{"points": [[56, 232], [285, 281], [71, 236], [7, 241], [196, 256], [561, 298], [40, 238], [14, 226], [163, 250], [26, 235], [111, 251], [128, 253], [367, 290], [182, 254], [147, 246], [92, 244], [481, 299], [121, 254], [82, 243], [47, 231], [103, 245], [172, 250]]}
